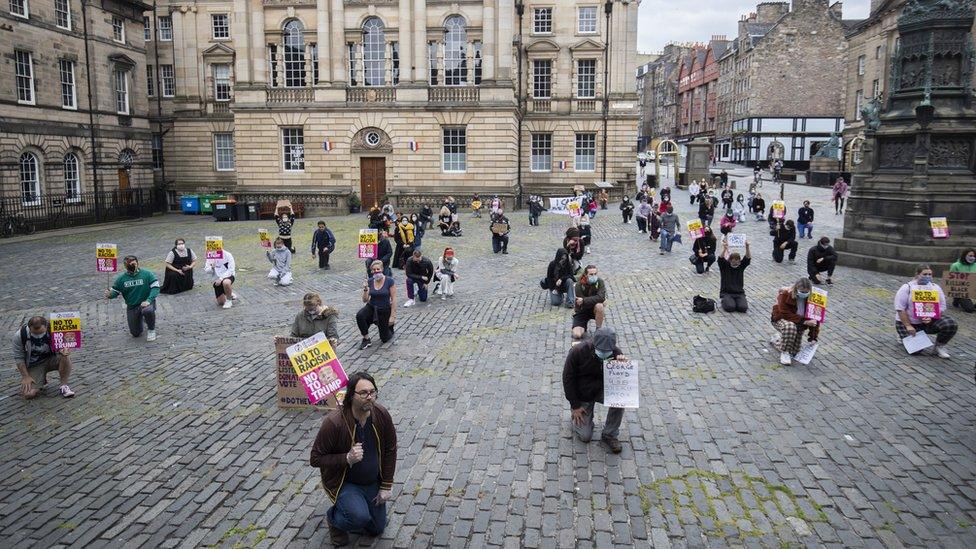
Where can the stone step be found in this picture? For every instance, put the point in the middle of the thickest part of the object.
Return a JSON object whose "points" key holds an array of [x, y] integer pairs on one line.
{"points": [[892, 258]]}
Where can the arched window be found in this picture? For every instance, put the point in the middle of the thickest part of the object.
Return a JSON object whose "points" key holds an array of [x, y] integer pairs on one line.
{"points": [[30, 179], [125, 158], [374, 52], [455, 51], [294, 54], [72, 177]]}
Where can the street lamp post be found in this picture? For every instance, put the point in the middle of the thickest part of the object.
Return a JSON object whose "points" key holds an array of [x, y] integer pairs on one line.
{"points": [[607, 10], [520, 106]]}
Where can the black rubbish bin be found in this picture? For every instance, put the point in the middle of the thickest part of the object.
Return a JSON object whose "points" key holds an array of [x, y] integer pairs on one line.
{"points": [[224, 210], [240, 211], [253, 211]]}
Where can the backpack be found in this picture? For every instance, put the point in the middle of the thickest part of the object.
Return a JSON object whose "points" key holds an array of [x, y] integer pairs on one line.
{"points": [[701, 304]]}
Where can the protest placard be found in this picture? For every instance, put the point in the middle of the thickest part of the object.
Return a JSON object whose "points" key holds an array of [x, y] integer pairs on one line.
{"points": [[573, 206], [475, 204], [959, 285], [620, 386], [368, 243], [265, 238], [925, 304], [560, 205], [291, 392], [214, 246], [940, 227], [65, 331], [696, 229], [736, 240], [317, 367], [106, 257], [816, 308], [779, 209]]}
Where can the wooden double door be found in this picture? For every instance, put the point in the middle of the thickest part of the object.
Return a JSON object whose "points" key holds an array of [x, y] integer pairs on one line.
{"points": [[372, 181]]}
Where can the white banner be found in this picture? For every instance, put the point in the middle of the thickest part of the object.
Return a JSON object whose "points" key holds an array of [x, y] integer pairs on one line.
{"points": [[561, 205], [620, 387]]}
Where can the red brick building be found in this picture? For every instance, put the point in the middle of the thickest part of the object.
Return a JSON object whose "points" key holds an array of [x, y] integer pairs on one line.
{"points": [[698, 90]]}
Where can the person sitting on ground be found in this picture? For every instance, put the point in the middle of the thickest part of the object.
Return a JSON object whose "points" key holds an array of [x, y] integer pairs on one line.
{"points": [[643, 215], [426, 217], [418, 231], [966, 264], [727, 197], [403, 237], [586, 233], [34, 357], [789, 319], [139, 289], [704, 251], [315, 318], [758, 206], [280, 259], [821, 259], [323, 244], [573, 245], [375, 218], [934, 321], [654, 225], [784, 238], [706, 210], [500, 227], [477, 205], [626, 209], [739, 208], [583, 386], [732, 293], [693, 190], [224, 272], [180, 261], [727, 223], [662, 208], [379, 296], [591, 293], [419, 272], [560, 280], [455, 229], [444, 220], [447, 273]]}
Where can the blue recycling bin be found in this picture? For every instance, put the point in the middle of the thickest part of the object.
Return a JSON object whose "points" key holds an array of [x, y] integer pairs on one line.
{"points": [[190, 204]]}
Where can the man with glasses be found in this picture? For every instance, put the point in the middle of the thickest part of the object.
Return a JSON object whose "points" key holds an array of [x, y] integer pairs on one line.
{"points": [[139, 288], [356, 452]]}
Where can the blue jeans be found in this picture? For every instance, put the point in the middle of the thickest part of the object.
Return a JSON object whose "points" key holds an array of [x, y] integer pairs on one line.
{"points": [[808, 227], [421, 289], [667, 239], [355, 512], [570, 293]]}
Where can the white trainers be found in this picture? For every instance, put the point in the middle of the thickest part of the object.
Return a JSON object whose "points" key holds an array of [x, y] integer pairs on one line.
{"points": [[228, 304], [785, 359], [66, 391], [151, 335], [409, 303], [586, 249], [233, 295], [443, 297], [775, 340], [941, 351]]}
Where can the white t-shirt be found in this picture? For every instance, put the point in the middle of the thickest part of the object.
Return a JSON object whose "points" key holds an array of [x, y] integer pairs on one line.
{"points": [[170, 257], [903, 299]]}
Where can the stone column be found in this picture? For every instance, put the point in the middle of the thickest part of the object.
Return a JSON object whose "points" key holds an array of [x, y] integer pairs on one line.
{"points": [[242, 45], [420, 61], [309, 72], [406, 44], [506, 30], [488, 40], [259, 61], [322, 41], [469, 63], [338, 39], [280, 64], [388, 64]]}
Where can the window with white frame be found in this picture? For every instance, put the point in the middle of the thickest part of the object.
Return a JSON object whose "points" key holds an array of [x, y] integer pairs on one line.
{"points": [[542, 21], [224, 152], [62, 14], [586, 20], [146, 28], [157, 151], [395, 59], [374, 52], [293, 149], [24, 75], [19, 8], [477, 61], [220, 26], [314, 50], [30, 179], [165, 28], [585, 157], [69, 96], [586, 78], [351, 54], [222, 82], [860, 65], [542, 79], [432, 58], [875, 88], [121, 91], [455, 150], [294, 41], [72, 178], [541, 152], [168, 77], [118, 29], [858, 101], [455, 51], [150, 81]]}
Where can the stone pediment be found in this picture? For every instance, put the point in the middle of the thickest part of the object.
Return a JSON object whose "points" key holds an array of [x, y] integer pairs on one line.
{"points": [[219, 50], [121, 60], [587, 46], [542, 46]]}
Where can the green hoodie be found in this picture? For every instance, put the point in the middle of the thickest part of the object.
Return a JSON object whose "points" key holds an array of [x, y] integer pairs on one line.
{"points": [[960, 267], [142, 286]]}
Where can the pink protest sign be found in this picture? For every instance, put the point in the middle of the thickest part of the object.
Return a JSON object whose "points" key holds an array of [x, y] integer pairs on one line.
{"points": [[368, 243], [65, 331], [106, 258], [317, 367]]}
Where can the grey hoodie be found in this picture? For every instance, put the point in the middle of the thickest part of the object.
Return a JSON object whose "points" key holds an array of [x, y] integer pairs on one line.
{"points": [[281, 259], [669, 222]]}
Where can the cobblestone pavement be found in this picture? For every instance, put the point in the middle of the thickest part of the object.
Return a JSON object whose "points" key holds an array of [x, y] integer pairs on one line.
{"points": [[178, 443]]}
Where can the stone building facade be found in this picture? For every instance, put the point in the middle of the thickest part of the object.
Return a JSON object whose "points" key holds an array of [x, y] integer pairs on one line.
{"points": [[384, 98], [658, 85], [49, 70], [698, 90]]}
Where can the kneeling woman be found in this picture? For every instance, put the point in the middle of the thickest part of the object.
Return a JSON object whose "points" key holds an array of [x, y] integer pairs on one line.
{"points": [[280, 259], [379, 296], [179, 269], [790, 320]]}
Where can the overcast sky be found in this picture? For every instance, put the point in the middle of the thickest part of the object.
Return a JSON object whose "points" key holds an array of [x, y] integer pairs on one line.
{"points": [[663, 21]]}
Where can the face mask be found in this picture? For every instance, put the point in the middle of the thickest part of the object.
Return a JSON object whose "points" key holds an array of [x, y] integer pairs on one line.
{"points": [[971, 259], [36, 338], [448, 257], [279, 248], [131, 267], [802, 295], [592, 279], [311, 312], [377, 276], [181, 247], [604, 354], [925, 280], [823, 246]]}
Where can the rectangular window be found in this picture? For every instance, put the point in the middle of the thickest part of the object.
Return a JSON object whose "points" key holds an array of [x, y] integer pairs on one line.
{"points": [[62, 14], [477, 63], [224, 152], [19, 8], [586, 23], [455, 148], [395, 48], [168, 76], [150, 83], [69, 96], [24, 72], [121, 92], [351, 54], [875, 88], [877, 52], [858, 101], [273, 63], [157, 151], [432, 58], [118, 29], [293, 149], [542, 79], [165, 28], [860, 65], [542, 21], [585, 157], [314, 48], [146, 28], [541, 152], [220, 25], [222, 82], [586, 78]]}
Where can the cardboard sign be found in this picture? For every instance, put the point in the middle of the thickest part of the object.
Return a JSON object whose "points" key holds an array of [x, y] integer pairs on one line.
{"points": [[696, 229], [215, 247], [816, 308], [736, 240], [368, 243], [620, 387], [959, 285], [65, 331], [291, 393], [940, 227], [779, 209], [265, 238], [925, 304], [106, 258], [317, 367]]}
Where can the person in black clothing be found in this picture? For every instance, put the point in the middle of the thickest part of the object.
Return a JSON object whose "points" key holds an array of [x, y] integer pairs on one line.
{"points": [[573, 245], [732, 291], [704, 251], [535, 210], [727, 198], [426, 217], [179, 269], [706, 211], [821, 259], [758, 206], [419, 271], [323, 244], [500, 227], [285, 221], [375, 218], [379, 298], [583, 386], [384, 253], [784, 239], [804, 219], [627, 209], [586, 233], [724, 178], [560, 280]]}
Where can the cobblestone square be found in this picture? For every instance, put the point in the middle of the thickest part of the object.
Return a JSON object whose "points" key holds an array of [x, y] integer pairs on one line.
{"points": [[178, 443]]}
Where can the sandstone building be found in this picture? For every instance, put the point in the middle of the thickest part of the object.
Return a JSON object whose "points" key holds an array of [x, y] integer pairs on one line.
{"points": [[658, 81], [698, 90]]}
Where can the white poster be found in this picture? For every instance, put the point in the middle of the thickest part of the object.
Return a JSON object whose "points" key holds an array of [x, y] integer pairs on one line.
{"points": [[620, 387], [560, 205], [916, 343], [736, 240], [807, 350]]}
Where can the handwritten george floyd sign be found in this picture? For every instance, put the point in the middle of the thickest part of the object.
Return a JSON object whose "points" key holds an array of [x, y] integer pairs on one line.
{"points": [[620, 386]]}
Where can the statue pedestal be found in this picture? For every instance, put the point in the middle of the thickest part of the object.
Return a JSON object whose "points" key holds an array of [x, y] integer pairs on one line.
{"points": [[824, 171], [698, 163]]}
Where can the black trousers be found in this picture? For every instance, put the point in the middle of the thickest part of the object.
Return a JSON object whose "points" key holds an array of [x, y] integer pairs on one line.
{"points": [[732, 303], [642, 224], [371, 315], [324, 257], [778, 252], [703, 263], [499, 243], [287, 242], [826, 265], [627, 214]]}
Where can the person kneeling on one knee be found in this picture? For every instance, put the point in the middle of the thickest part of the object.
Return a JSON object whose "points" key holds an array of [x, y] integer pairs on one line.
{"points": [[280, 258], [789, 319], [583, 385], [591, 293], [35, 356], [732, 291]]}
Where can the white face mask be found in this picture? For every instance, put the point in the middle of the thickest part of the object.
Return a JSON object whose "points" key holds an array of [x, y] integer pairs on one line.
{"points": [[181, 247]]}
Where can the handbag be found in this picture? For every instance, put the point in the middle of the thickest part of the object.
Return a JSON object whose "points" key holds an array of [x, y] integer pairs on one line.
{"points": [[701, 304]]}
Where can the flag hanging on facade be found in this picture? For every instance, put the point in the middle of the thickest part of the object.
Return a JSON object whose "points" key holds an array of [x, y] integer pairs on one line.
{"points": [[326, 145], [562, 165], [414, 146]]}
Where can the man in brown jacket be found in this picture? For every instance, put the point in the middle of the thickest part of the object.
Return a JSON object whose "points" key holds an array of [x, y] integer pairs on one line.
{"points": [[356, 451]]}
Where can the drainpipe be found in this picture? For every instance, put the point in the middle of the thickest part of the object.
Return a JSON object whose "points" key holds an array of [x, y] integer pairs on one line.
{"points": [[608, 10], [159, 98], [91, 111], [520, 112]]}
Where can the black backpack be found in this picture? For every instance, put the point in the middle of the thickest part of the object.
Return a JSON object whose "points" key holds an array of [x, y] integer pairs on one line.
{"points": [[701, 304]]}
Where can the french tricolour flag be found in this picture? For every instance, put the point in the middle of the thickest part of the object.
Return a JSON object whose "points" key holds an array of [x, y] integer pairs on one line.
{"points": [[414, 146], [562, 165], [326, 145]]}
